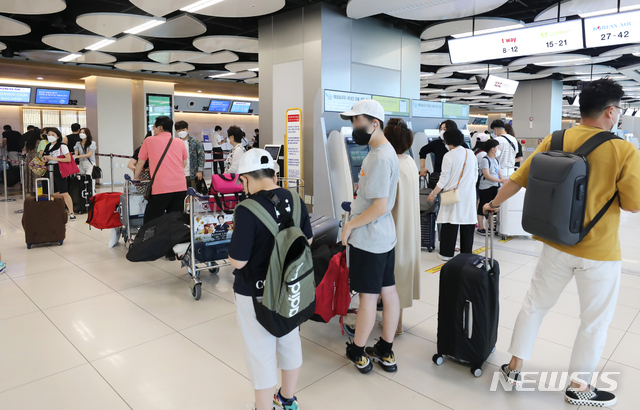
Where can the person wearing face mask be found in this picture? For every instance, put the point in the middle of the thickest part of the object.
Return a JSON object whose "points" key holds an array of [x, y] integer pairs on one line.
{"points": [[74, 137], [54, 149], [167, 158], [489, 180], [370, 237], [438, 148], [595, 261], [85, 151], [459, 172], [195, 162], [508, 149], [249, 253], [233, 160]]}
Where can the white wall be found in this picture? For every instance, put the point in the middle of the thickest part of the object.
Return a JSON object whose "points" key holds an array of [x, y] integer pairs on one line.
{"points": [[10, 115]]}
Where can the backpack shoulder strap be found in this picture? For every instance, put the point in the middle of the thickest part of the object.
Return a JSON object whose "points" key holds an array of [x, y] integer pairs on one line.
{"points": [[262, 214], [595, 141], [557, 140], [296, 212]]}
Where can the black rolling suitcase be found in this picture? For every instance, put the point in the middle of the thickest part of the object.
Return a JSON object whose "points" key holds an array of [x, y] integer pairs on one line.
{"points": [[325, 231], [468, 308], [428, 213], [80, 191]]}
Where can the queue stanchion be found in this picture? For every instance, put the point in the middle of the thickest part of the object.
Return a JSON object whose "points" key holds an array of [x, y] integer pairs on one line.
{"points": [[4, 175], [111, 167], [53, 189], [24, 195]]}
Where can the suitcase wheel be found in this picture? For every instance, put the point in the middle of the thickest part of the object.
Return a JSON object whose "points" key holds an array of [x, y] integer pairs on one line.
{"points": [[60, 242], [437, 359], [214, 271], [29, 246], [430, 248], [197, 291], [476, 371]]}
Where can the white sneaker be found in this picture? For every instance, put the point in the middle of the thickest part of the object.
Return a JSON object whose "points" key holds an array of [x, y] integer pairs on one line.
{"points": [[445, 258]]}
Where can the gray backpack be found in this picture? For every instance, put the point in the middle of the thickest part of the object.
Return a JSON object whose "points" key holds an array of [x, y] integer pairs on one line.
{"points": [[556, 196], [289, 289]]}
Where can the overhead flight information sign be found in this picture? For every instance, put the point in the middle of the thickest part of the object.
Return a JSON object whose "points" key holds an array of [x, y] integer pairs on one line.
{"points": [[613, 29], [426, 109], [393, 106], [339, 101], [550, 38]]}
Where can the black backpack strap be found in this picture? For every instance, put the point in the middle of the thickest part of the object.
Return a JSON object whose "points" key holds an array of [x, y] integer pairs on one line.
{"points": [[595, 141], [557, 141], [287, 219], [599, 216]]}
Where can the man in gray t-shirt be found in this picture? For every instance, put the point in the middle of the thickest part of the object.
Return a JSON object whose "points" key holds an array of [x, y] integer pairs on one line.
{"points": [[371, 238]]}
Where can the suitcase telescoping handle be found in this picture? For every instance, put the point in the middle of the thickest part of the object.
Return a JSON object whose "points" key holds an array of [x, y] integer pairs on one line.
{"points": [[45, 180], [490, 217]]}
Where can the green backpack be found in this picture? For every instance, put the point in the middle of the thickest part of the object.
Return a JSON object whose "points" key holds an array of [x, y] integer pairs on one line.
{"points": [[289, 289]]}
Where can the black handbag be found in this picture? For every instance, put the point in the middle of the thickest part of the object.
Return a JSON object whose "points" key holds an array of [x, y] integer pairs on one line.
{"points": [[97, 172], [201, 187]]}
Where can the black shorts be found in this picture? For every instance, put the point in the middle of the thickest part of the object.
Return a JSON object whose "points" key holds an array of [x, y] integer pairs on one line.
{"points": [[370, 272], [59, 183], [485, 196]]}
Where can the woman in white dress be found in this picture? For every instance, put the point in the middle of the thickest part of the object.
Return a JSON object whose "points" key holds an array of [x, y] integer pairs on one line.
{"points": [[406, 215], [459, 171]]}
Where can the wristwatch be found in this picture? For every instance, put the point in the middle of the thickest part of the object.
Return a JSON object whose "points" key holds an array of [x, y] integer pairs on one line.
{"points": [[493, 206]]}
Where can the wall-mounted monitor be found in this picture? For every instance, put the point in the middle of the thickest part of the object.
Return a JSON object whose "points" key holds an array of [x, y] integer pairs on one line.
{"points": [[501, 85], [15, 94], [240, 107], [393, 106], [53, 97], [427, 109], [219, 106], [340, 101], [455, 111], [480, 121], [158, 105], [273, 150]]}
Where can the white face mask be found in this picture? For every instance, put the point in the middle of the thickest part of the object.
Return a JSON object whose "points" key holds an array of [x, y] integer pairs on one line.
{"points": [[52, 138], [498, 152], [83, 136], [442, 135], [183, 134]]}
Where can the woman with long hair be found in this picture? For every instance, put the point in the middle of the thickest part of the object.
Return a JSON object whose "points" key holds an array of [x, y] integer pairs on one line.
{"points": [[52, 153], [30, 149], [85, 151]]}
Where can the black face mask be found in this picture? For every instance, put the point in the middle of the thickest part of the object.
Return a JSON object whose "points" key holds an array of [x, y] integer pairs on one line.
{"points": [[361, 136]]}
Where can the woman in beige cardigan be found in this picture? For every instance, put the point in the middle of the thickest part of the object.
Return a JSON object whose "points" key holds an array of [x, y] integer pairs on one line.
{"points": [[406, 214]]}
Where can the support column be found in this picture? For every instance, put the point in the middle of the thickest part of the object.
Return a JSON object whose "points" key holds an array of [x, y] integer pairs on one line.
{"points": [[542, 100]]}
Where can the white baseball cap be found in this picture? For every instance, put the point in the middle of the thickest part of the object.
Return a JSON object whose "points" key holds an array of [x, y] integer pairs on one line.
{"points": [[368, 107], [255, 159]]}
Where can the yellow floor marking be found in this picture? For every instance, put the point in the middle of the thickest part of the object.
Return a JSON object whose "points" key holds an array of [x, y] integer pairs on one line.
{"points": [[436, 269]]}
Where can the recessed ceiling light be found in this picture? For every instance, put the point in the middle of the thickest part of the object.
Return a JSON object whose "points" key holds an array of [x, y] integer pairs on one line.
{"points": [[40, 78], [199, 91], [101, 43], [221, 75], [146, 26], [69, 57], [199, 5]]}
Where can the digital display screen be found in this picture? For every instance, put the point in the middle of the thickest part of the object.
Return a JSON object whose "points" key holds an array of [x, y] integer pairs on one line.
{"points": [[501, 85], [613, 29], [240, 107], [549, 38], [357, 154], [427, 109], [455, 111], [479, 121], [219, 106], [393, 106], [55, 97], [15, 94], [273, 150], [338, 101], [158, 105]]}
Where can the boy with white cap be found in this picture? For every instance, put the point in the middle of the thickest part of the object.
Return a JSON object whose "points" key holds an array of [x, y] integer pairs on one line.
{"points": [[249, 252], [371, 238]]}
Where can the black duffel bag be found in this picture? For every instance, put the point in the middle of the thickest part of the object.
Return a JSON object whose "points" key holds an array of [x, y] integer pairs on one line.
{"points": [[158, 237]]}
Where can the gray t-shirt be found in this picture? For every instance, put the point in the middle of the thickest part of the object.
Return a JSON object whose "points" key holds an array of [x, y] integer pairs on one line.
{"points": [[378, 179], [493, 166], [81, 150]]}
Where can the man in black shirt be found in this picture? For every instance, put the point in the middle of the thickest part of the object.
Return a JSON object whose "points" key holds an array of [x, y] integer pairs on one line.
{"points": [[74, 137], [249, 252], [11, 141]]}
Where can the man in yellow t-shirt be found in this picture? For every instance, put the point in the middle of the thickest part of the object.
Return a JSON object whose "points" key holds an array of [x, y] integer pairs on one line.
{"points": [[596, 260]]}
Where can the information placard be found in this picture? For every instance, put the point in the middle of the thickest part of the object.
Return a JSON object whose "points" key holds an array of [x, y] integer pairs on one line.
{"points": [[455, 111], [157, 105], [54, 97], [501, 85], [393, 106], [550, 38], [293, 144], [15, 94], [612, 29], [426, 109], [340, 101]]}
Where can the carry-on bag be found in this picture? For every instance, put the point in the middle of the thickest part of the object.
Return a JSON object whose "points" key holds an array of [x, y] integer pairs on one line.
{"points": [[104, 211], [158, 237], [428, 231], [44, 221], [333, 294], [226, 192], [468, 308], [80, 191]]}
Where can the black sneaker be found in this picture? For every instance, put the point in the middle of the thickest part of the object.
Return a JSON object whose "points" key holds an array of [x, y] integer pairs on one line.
{"points": [[511, 376], [387, 362], [72, 217], [482, 232], [362, 363], [592, 397]]}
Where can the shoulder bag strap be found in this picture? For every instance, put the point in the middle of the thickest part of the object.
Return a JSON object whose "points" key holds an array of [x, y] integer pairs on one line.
{"points": [[463, 167], [557, 141], [296, 212], [153, 177], [510, 143], [262, 214]]}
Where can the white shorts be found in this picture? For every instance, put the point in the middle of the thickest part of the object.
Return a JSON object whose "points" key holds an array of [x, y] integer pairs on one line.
{"points": [[265, 353]]}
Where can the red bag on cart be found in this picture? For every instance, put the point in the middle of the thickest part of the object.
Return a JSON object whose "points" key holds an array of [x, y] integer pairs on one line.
{"points": [[104, 212], [226, 192], [333, 294]]}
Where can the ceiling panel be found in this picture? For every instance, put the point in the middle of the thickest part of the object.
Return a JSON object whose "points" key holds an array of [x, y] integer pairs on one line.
{"points": [[235, 67], [110, 24], [221, 57], [431, 45], [129, 44], [210, 44], [71, 42], [161, 7], [178, 27], [465, 27], [11, 27], [242, 8], [95, 57], [436, 59], [421, 10], [32, 6], [44, 56]]}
